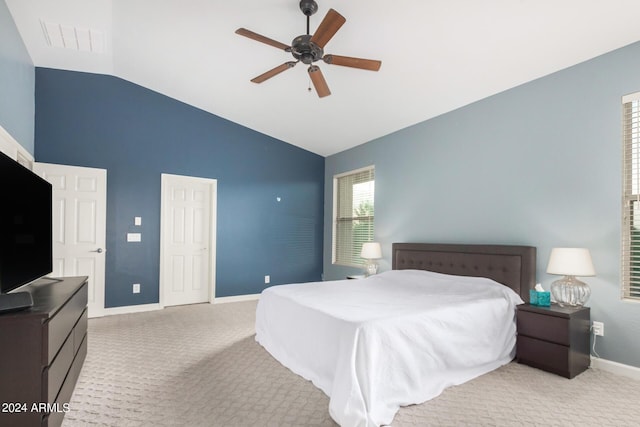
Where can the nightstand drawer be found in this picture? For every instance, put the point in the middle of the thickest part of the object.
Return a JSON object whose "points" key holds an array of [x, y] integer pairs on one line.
{"points": [[548, 328], [543, 355]]}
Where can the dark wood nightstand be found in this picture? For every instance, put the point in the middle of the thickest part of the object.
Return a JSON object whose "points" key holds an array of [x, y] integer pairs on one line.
{"points": [[555, 339]]}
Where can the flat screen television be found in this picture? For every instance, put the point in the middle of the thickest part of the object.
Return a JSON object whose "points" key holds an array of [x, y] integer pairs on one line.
{"points": [[25, 226]]}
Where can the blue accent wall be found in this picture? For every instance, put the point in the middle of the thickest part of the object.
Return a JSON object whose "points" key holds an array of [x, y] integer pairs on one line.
{"points": [[136, 135], [17, 82], [536, 165]]}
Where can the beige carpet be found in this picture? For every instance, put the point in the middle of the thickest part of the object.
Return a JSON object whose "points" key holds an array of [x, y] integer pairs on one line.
{"points": [[200, 366]]}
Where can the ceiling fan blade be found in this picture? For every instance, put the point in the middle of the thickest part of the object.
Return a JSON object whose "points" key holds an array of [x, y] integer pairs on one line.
{"points": [[348, 61], [260, 38], [274, 72], [318, 81], [328, 28]]}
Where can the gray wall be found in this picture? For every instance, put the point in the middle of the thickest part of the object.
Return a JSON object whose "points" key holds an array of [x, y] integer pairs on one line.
{"points": [[537, 165], [17, 83]]}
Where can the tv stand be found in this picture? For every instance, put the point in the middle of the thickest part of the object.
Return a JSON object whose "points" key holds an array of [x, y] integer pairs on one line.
{"points": [[42, 351]]}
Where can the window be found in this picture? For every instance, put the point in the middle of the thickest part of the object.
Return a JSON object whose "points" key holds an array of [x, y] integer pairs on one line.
{"points": [[631, 197], [353, 215]]}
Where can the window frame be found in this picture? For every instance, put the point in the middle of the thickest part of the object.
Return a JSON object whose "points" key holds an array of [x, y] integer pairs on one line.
{"points": [[630, 250], [354, 262]]}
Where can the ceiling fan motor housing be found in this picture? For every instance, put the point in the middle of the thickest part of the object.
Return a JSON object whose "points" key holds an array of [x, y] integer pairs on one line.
{"points": [[303, 49]]}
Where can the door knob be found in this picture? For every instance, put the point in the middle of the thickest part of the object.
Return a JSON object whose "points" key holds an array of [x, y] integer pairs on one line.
{"points": [[99, 250]]}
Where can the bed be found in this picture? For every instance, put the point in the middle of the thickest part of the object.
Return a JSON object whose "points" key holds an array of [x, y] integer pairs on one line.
{"points": [[442, 316]]}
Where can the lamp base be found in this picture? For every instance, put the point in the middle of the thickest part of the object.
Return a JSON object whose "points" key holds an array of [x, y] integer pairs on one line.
{"points": [[570, 291], [371, 268]]}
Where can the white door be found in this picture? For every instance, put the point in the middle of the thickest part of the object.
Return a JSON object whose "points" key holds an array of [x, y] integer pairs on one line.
{"points": [[187, 252], [79, 225]]}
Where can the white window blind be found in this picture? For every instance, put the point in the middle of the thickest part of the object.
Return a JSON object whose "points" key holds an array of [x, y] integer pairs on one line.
{"points": [[353, 215], [631, 197]]}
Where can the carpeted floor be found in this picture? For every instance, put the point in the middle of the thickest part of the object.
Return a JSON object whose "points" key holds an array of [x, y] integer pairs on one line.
{"points": [[199, 365]]}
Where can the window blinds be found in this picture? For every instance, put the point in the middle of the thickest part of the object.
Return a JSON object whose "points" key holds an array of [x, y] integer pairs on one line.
{"points": [[353, 215], [631, 197]]}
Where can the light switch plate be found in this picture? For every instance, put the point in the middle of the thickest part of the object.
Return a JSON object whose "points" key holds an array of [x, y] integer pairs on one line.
{"points": [[137, 220], [134, 237]]}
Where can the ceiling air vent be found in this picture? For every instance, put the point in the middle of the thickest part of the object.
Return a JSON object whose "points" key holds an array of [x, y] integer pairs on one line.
{"points": [[75, 38]]}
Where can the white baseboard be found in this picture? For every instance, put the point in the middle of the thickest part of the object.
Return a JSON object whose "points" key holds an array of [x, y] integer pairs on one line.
{"points": [[237, 298], [615, 368], [141, 308]]}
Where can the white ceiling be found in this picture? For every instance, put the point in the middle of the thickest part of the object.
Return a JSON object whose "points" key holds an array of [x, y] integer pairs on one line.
{"points": [[437, 55]]}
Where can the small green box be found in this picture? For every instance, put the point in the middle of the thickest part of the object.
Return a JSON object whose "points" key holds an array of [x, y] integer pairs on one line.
{"points": [[541, 299], [544, 299]]}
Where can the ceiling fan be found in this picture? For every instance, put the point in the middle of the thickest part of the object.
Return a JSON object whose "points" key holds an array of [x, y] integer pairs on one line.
{"points": [[309, 49]]}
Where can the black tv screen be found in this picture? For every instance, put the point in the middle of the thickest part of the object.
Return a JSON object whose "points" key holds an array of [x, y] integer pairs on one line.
{"points": [[25, 225]]}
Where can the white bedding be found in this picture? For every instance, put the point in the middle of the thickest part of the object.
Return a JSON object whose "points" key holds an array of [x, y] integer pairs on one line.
{"points": [[394, 339]]}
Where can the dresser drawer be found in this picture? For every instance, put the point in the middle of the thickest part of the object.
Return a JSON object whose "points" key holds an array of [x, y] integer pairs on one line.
{"points": [[55, 374], [61, 324], [54, 419], [79, 331], [549, 328]]}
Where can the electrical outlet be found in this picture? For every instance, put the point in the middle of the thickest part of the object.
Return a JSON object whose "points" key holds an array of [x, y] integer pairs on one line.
{"points": [[136, 288], [267, 279], [598, 329]]}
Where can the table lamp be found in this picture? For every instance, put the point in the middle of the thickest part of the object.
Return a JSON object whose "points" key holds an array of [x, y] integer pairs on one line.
{"points": [[371, 251], [570, 262]]}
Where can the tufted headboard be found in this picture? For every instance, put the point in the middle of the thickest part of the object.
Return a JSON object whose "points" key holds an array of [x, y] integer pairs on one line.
{"points": [[513, 266]]}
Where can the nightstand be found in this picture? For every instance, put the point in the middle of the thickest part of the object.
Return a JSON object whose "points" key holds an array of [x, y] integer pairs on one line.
{"points": [[555, 339]]}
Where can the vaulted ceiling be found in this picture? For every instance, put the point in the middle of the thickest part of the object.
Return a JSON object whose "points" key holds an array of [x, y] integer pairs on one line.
{"points": [[436, 55]]}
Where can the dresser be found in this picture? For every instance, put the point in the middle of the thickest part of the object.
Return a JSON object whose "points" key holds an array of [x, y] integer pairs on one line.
{"points": [[555, 339], [42, 350]]}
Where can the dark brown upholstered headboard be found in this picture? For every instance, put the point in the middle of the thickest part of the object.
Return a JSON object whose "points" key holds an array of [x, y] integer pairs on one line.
{"points": [[513, 266]]}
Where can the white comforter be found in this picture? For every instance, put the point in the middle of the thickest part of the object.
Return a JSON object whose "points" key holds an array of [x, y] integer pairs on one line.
{"points": [[394, 339]]}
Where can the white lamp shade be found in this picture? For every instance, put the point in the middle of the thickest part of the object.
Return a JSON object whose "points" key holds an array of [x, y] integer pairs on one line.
{"points": [[571, 262], [371, 250]]}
